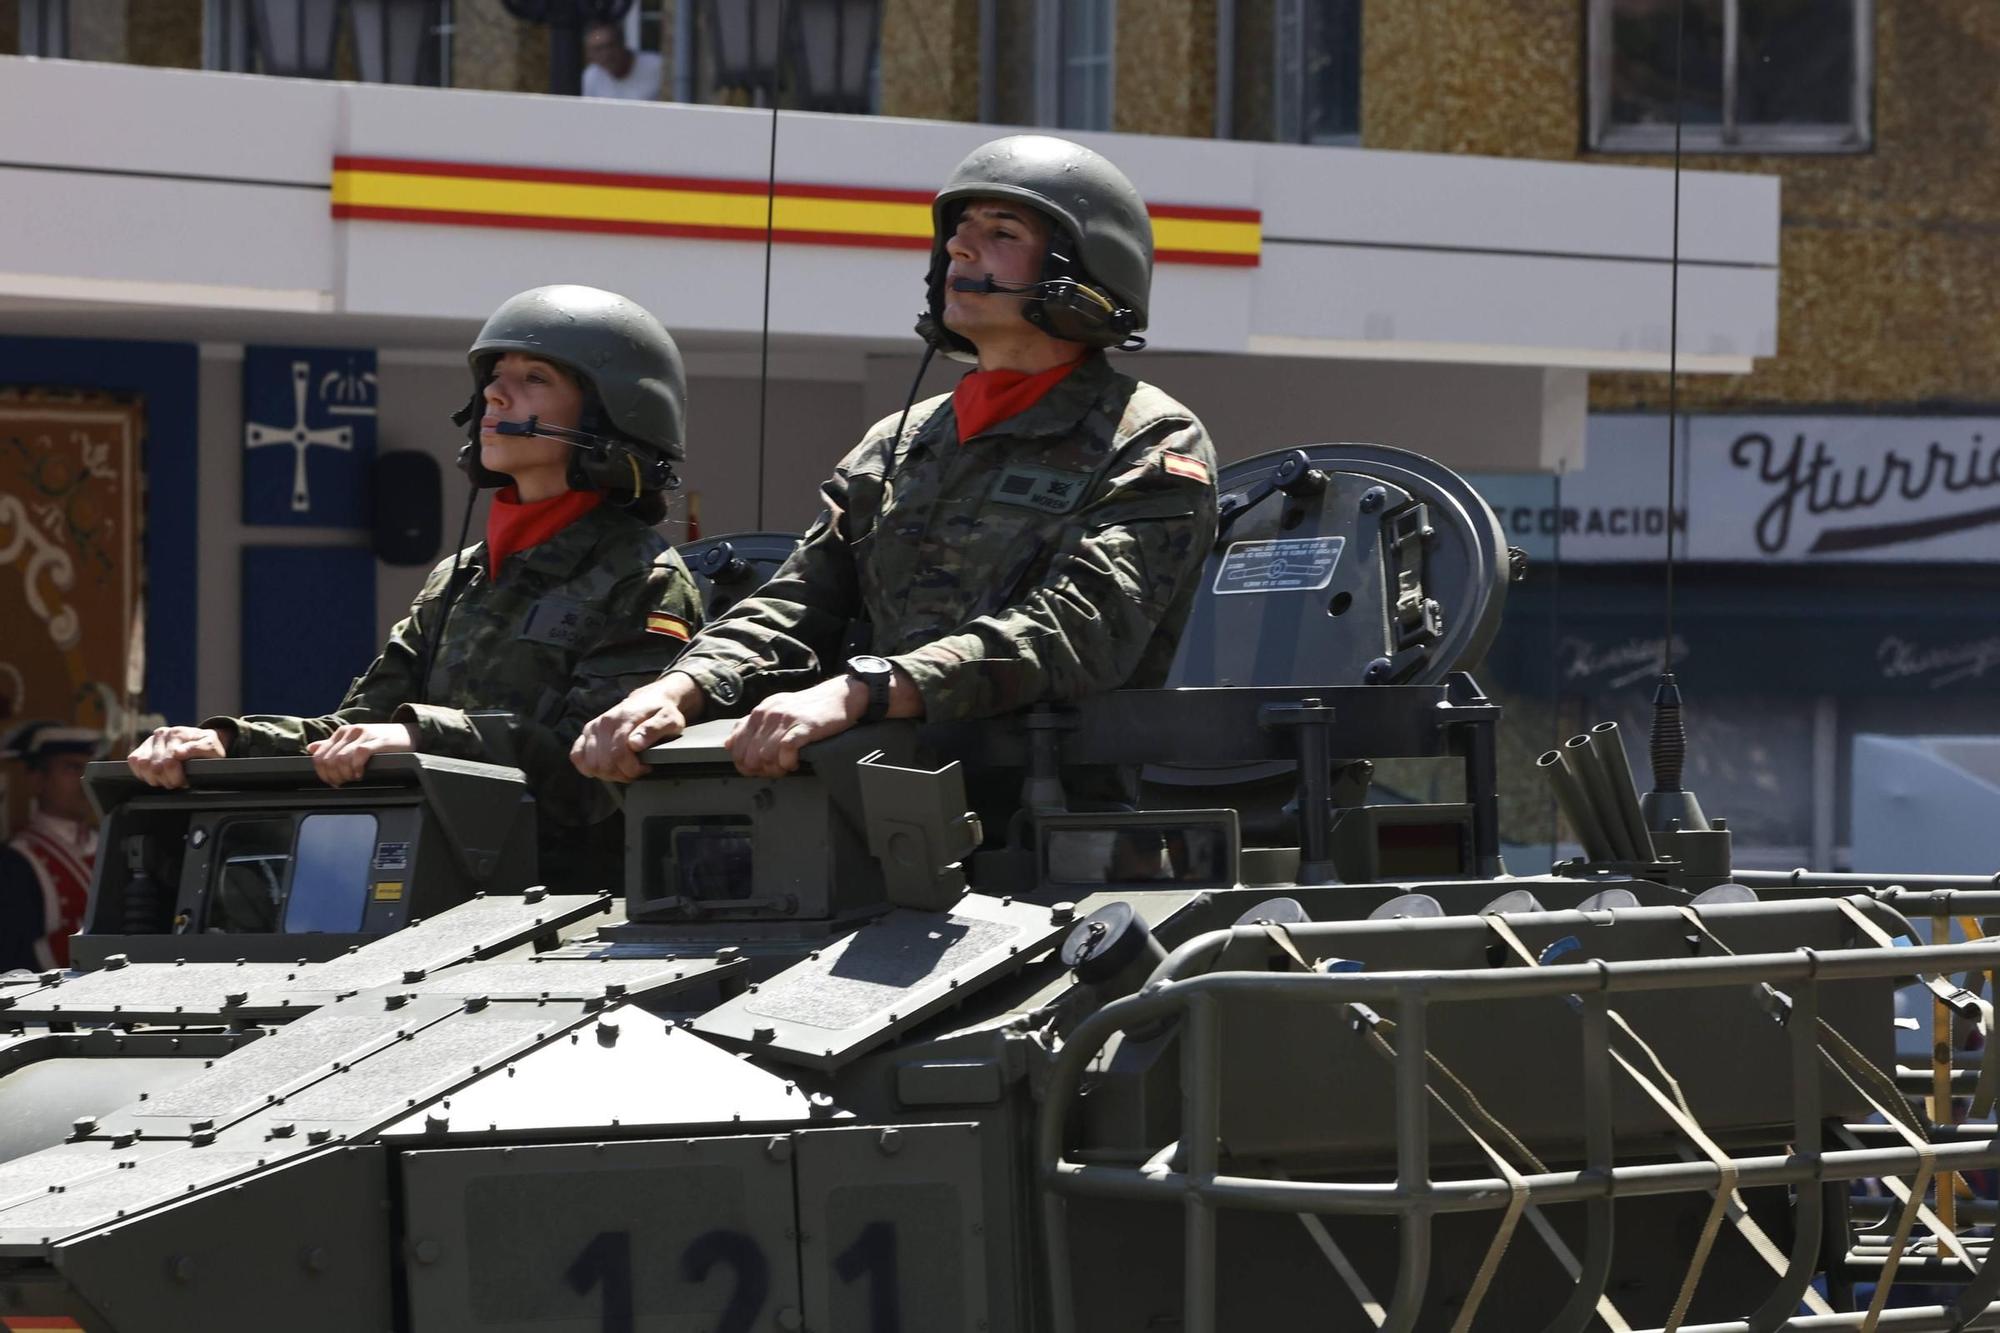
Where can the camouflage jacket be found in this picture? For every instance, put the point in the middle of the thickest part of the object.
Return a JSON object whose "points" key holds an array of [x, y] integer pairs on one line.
{"points": [[577, 623], [1053, 556]]}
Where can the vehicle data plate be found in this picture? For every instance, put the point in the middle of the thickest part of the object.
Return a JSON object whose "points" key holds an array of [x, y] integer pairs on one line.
{"points": [[1299, 564]]}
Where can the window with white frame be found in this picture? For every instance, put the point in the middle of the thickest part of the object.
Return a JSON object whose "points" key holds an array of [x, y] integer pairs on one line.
{"points": [[1759, 76]]}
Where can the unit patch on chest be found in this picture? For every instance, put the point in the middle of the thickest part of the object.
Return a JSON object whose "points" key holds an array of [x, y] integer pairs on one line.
{"points": [[1041, 488], [561, 623]]}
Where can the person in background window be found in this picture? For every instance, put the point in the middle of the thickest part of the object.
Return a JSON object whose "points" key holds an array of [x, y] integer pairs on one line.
{"points": [[574, 598], [616, 70], [45, 868]]}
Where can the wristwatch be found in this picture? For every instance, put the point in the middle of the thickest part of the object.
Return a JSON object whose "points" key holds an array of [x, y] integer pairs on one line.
{"points": [[876, 673]]}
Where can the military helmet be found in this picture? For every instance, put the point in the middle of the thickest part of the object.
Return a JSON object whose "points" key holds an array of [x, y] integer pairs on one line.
{"points": [[1103, 246], [621, 353]]}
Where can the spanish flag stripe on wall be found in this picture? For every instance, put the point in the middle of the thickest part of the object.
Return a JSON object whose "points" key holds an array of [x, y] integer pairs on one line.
{"points": [[462, 194]]}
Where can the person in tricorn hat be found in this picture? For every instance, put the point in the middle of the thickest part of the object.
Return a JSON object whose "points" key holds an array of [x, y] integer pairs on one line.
{"points": [[45, 868], [575, 596], [1035, 535]]}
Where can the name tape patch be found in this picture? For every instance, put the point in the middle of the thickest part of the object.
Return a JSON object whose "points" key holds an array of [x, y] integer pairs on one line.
{"points": [[1299, 564], [1041, 488], [561, 623]]}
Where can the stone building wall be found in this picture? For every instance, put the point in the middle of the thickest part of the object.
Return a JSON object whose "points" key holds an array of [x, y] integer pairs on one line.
{"points": [[1889, 270], [1165, 67], [494, 51], [930, 59]]}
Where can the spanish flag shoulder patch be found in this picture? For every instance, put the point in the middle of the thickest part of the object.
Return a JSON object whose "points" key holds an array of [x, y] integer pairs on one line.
{"points": [[20, 1323], [662, 622], [1183, 466]]}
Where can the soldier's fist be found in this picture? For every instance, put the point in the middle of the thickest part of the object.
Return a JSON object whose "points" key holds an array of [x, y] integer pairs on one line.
{"points": [[158, 759], [610, 745], [343, 756]]}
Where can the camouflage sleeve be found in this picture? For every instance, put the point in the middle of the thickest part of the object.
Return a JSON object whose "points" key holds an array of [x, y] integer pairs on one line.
{"points": [[783, 636], [648, 620], [1130, 557], [375, 695]]}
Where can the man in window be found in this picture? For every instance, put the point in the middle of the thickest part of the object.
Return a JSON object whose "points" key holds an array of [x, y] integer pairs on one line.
{"points": [[615, 69], [1036, 535]]}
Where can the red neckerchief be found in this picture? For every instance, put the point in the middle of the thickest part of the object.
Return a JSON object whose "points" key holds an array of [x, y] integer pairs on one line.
{"points": [[512, 527], [985, 398]]}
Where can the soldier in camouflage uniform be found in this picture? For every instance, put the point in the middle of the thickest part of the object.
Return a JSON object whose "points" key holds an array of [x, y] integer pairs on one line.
{"points": [[574, 599], [1003, 548]]}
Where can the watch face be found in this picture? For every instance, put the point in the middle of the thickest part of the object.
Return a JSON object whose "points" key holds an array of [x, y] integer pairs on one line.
{"points": [[869, 666]]}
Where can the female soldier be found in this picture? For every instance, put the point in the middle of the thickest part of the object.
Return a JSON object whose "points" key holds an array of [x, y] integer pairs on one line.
{"points": [[573, 599]]}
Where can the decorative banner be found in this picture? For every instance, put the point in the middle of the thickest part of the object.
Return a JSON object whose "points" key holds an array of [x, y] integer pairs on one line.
{"points": [[308, 436], [464, 194], [70, 572]]}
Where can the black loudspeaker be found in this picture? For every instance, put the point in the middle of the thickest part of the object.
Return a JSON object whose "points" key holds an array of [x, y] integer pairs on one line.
{"points": [[409, 507]]}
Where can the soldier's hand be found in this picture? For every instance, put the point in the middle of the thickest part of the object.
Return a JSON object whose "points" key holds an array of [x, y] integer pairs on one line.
{"points": [[766, 744], [158, 759], [609, 747], [343, 756]]}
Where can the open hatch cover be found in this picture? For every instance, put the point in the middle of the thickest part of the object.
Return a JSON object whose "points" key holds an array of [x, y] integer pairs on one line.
{"points": [[1345, 564]]}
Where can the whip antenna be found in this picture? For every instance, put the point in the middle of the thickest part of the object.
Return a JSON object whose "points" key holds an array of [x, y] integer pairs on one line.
{"points": [[770, 219], [1669, 805]]}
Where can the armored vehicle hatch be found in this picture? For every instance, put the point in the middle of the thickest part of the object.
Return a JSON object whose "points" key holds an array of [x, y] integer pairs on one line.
{"points": [[729, 568], [234, 867], [1345, 564]]}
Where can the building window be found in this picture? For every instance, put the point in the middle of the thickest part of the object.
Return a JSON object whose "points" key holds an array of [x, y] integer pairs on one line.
{"points": [[1053, 62], [1080, 67], [228, 39], [44, 28], [1759, 76], [1290, 70]]}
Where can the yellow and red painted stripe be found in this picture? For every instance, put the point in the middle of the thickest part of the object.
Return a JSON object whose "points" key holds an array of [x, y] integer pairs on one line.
{"points": [[466, 194]]}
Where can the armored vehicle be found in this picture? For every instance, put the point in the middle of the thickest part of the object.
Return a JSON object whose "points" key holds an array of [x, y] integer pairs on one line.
{"points": [[915, 1039]]}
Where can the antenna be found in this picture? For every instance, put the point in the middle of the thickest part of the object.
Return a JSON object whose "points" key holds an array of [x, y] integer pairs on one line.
{"points": [[770, 218], [1669, 805]]}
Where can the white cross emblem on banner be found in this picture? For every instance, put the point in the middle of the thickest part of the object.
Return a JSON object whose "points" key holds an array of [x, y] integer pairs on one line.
{"points": [[256, 435]]}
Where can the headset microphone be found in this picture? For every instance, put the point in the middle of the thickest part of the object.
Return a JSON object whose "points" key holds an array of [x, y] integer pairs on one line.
{"points": [[534, 426], [601, 463], [990, 286]]}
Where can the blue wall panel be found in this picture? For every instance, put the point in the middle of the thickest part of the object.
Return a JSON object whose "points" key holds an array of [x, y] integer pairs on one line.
{"points": [[308, 626], [308, 436], [166, 375]]}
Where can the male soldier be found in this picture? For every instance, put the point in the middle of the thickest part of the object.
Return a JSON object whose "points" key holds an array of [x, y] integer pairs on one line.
{"points": [[1035, 535], [45, 868]]}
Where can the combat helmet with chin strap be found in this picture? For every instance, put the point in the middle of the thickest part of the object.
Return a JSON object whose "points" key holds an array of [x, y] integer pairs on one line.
{"points": [[633, 428], [1098, 274]]}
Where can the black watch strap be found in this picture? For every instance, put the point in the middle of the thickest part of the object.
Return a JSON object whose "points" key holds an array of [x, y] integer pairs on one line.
{"points": [[876, 673]]}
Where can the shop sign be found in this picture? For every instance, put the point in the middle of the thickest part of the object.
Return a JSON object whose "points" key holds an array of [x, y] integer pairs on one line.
{"points": [[1613, 510], [1864, 488], [1800, 490]]}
